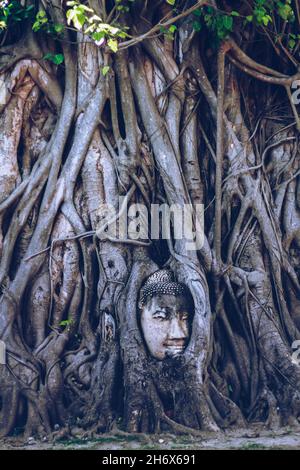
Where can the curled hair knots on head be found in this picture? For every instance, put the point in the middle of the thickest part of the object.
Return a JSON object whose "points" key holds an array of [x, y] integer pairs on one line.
{"points": [[161, 282]]}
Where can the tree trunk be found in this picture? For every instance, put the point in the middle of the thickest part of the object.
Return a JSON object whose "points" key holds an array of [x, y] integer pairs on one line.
{"points": [[162, 120]]}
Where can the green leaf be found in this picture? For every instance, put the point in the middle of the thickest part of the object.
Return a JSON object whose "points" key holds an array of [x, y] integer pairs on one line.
{"points": [[292, 43], [65, 322], [228, 22], [197, 12], [90, 29], [41, 14], [58, 28], [79, 20], [36, 26], [285, 11], [197, 26], [83, 8], [98, 35], [56, 59], [113, 44], [77, 17], [172, 28], [266, 19], [40, 20], [113, 30], [171, 2], [105, 70], [234, 13], [122, 35]]}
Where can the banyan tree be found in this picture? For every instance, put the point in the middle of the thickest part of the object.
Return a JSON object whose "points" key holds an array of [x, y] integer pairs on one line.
{"points": [[161, 102]]}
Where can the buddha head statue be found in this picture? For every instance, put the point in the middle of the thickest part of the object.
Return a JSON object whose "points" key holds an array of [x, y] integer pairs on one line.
{"points": [[166, 311]]}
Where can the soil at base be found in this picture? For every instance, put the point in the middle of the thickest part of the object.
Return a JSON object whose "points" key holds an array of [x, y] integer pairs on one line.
{"points": [[243, 439]]}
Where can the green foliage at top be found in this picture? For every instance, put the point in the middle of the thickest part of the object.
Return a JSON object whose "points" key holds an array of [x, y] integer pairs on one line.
{"points": [[40, 20], [263, 13], [263, 10], [123, 7], [218, 23], [270, 15], [12, 12], [84, 19]]}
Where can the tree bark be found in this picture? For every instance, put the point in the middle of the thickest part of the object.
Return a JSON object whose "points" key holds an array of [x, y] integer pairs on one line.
{"points": [[171, 121]]}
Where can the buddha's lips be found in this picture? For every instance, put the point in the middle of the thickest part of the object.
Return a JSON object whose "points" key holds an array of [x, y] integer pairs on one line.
{"points": [[178, 344]]}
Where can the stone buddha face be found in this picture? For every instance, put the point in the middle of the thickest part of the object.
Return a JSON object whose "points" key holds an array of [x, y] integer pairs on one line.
{"points": [[166, 323], [165, 315]]}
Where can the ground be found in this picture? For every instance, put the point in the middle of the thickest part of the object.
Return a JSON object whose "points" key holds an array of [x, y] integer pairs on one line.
{"points": [[285, 439]]}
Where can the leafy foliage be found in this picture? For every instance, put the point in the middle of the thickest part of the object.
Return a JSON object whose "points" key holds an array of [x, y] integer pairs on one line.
{"points": [[123, 7], [105, 70], [66, 322], [40, 20], [57, 59], [220, 24], [13, 12], [264, 10], [292, 40], [43, 23], [270, 14], [84, 19], [169, 32], [262, 14]]}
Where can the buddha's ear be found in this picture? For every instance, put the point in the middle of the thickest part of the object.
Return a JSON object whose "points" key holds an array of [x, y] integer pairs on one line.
{"points": [[140, 305]]}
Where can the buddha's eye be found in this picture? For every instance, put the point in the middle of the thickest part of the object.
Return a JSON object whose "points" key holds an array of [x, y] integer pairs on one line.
{"points": [[160, 315], [184, 316]]}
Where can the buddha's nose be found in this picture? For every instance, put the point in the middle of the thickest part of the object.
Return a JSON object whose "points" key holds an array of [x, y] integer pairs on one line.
{"points": [[176, 331]]}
